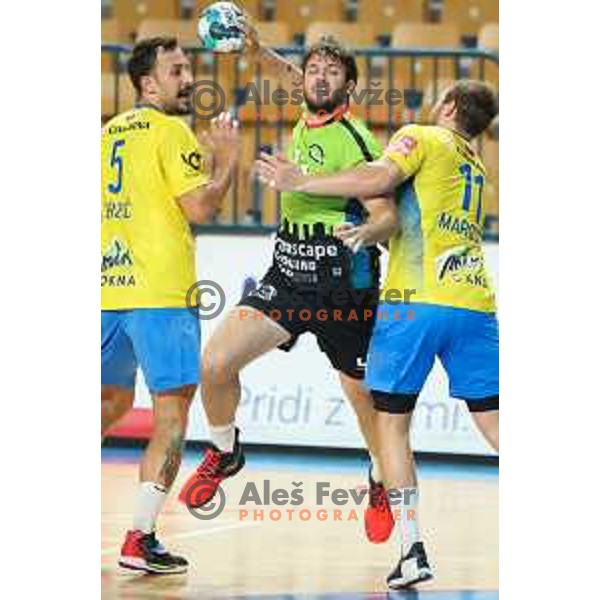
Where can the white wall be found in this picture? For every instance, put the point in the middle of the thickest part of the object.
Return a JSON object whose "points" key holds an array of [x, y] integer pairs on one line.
{"points": [[294, 398]]}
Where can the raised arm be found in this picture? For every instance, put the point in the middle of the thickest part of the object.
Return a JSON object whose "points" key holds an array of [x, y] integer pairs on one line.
{"points": [[271, 61]]}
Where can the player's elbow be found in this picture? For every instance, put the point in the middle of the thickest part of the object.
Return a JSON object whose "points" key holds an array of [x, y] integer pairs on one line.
{"points": [[200, 214], [200, 206]]}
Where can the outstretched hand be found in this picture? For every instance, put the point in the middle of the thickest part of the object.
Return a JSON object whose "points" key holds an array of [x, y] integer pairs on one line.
{"points": [[355, 237], [278, 172], [223, 139], [251, 38]]}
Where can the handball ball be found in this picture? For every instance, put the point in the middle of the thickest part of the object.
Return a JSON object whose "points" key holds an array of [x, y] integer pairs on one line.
{"points": [[220, 27]]}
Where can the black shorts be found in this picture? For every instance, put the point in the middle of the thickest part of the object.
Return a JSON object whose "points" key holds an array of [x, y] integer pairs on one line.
{"points": [[341, 318]]}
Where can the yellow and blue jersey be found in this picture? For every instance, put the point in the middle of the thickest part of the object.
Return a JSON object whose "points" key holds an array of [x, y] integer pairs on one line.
{"points": [[438, 251], [149, 159]]}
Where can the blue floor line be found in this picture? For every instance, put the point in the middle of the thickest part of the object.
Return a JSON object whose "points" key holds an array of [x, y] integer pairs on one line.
{"points": [[286, 461]]}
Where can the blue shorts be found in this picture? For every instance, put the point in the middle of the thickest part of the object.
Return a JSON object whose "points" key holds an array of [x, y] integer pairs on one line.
{"points": [[164, 342], [402, 352]]}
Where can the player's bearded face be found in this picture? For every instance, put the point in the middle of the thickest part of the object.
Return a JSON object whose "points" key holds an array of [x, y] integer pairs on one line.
{"points": [[325, 86], [174, 80]]}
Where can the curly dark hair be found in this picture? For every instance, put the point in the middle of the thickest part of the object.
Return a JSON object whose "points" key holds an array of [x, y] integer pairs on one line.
{"points": [[330, 47]]}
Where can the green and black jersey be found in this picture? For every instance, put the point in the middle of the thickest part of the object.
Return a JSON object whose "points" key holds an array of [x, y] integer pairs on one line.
{"points": [[306, 252]]}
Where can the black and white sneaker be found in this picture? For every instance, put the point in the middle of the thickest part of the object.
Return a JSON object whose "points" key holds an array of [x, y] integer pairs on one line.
{"points": [[412, 568]]}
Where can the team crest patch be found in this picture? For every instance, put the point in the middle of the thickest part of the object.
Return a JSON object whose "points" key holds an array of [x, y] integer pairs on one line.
{"points": [[316, 153], [404, 145]]}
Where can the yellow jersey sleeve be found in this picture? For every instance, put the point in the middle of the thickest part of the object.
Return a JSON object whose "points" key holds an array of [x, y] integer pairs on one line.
{"points": [[406, 149], [183, 159]]}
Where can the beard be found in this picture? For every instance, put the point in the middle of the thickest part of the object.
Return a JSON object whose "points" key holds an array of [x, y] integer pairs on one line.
{"points": [[183, 109], [337, 99], [181, 106]]}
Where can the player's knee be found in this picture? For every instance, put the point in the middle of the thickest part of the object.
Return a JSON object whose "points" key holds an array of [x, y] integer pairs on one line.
{"points": [[116, 401], [217, 367], [396, 427], [358, 394], [117, 395], [394, 414]]}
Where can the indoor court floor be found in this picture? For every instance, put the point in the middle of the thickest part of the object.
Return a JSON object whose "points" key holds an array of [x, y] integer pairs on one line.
{"points": [[237, 555]]}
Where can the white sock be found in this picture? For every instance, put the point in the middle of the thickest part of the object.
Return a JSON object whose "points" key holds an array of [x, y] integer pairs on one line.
{"points": [[150, 500], [376, 473], [407, 527], [223, 436]]}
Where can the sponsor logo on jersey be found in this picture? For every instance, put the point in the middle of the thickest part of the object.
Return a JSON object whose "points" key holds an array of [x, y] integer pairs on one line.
{"points": [[308, 249], [117, 280], [300, 260], [193, 160], [116, 255], [461, 265], [136, 125]]}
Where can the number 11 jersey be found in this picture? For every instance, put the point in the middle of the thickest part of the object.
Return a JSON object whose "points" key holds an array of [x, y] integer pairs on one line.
{"points": [[438, 251]]}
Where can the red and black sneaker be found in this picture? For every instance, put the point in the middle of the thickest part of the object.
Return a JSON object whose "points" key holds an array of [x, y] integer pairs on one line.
{"points": [[143, 552], [379, 520], [201, 487]]}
